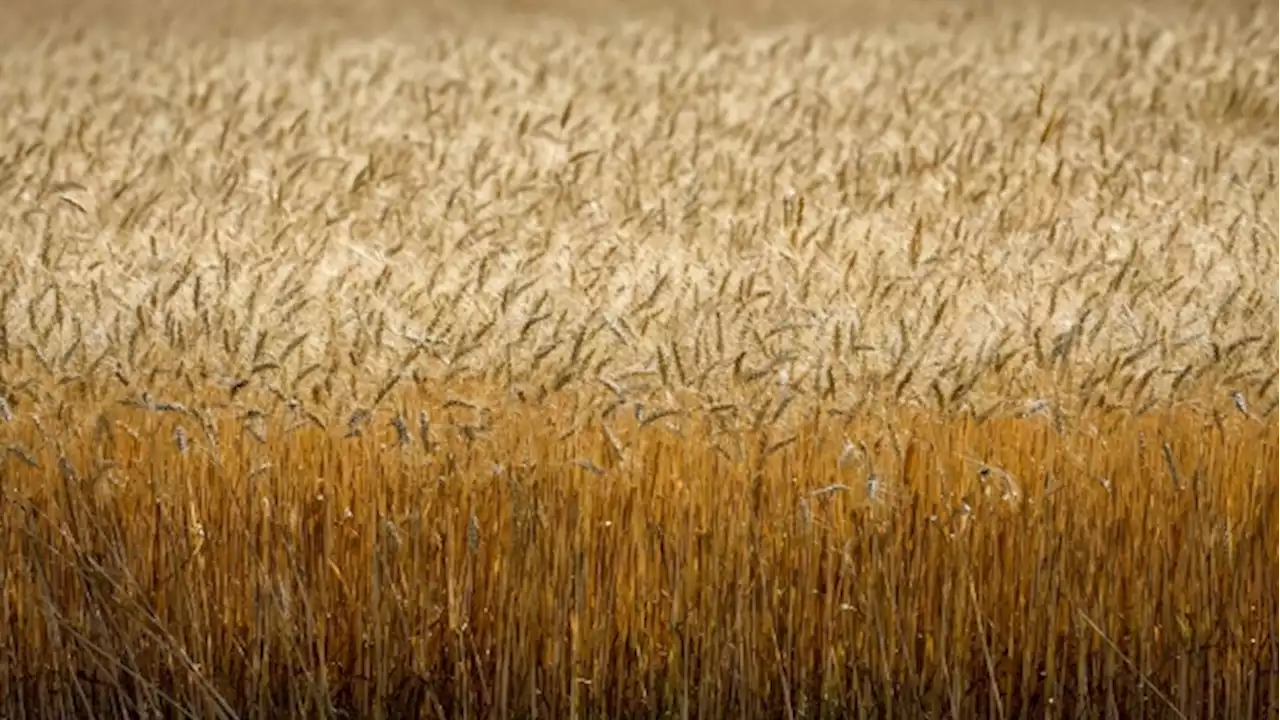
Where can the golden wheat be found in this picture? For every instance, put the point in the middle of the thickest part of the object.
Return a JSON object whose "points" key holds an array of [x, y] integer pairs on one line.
{"points": [[531, 367]]}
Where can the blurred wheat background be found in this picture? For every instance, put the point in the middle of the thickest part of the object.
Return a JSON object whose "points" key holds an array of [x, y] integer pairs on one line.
{"points": [[705, 359]]}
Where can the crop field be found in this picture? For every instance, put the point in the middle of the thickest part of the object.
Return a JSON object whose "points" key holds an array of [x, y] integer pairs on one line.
{"points": [[674, 359]]}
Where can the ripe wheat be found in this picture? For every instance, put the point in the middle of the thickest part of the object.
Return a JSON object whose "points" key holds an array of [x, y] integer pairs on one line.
{"points": [[529, 368]]}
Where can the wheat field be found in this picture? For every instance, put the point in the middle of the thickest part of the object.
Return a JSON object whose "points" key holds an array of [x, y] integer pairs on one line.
{"points": [[679, 359]]}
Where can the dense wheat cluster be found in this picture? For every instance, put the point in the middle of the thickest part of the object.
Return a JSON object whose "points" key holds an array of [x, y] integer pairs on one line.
{"points": [[556, 366]]}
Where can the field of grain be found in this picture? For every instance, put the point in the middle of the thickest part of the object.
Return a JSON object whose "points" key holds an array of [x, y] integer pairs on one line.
{"points": [[684, 360]]}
